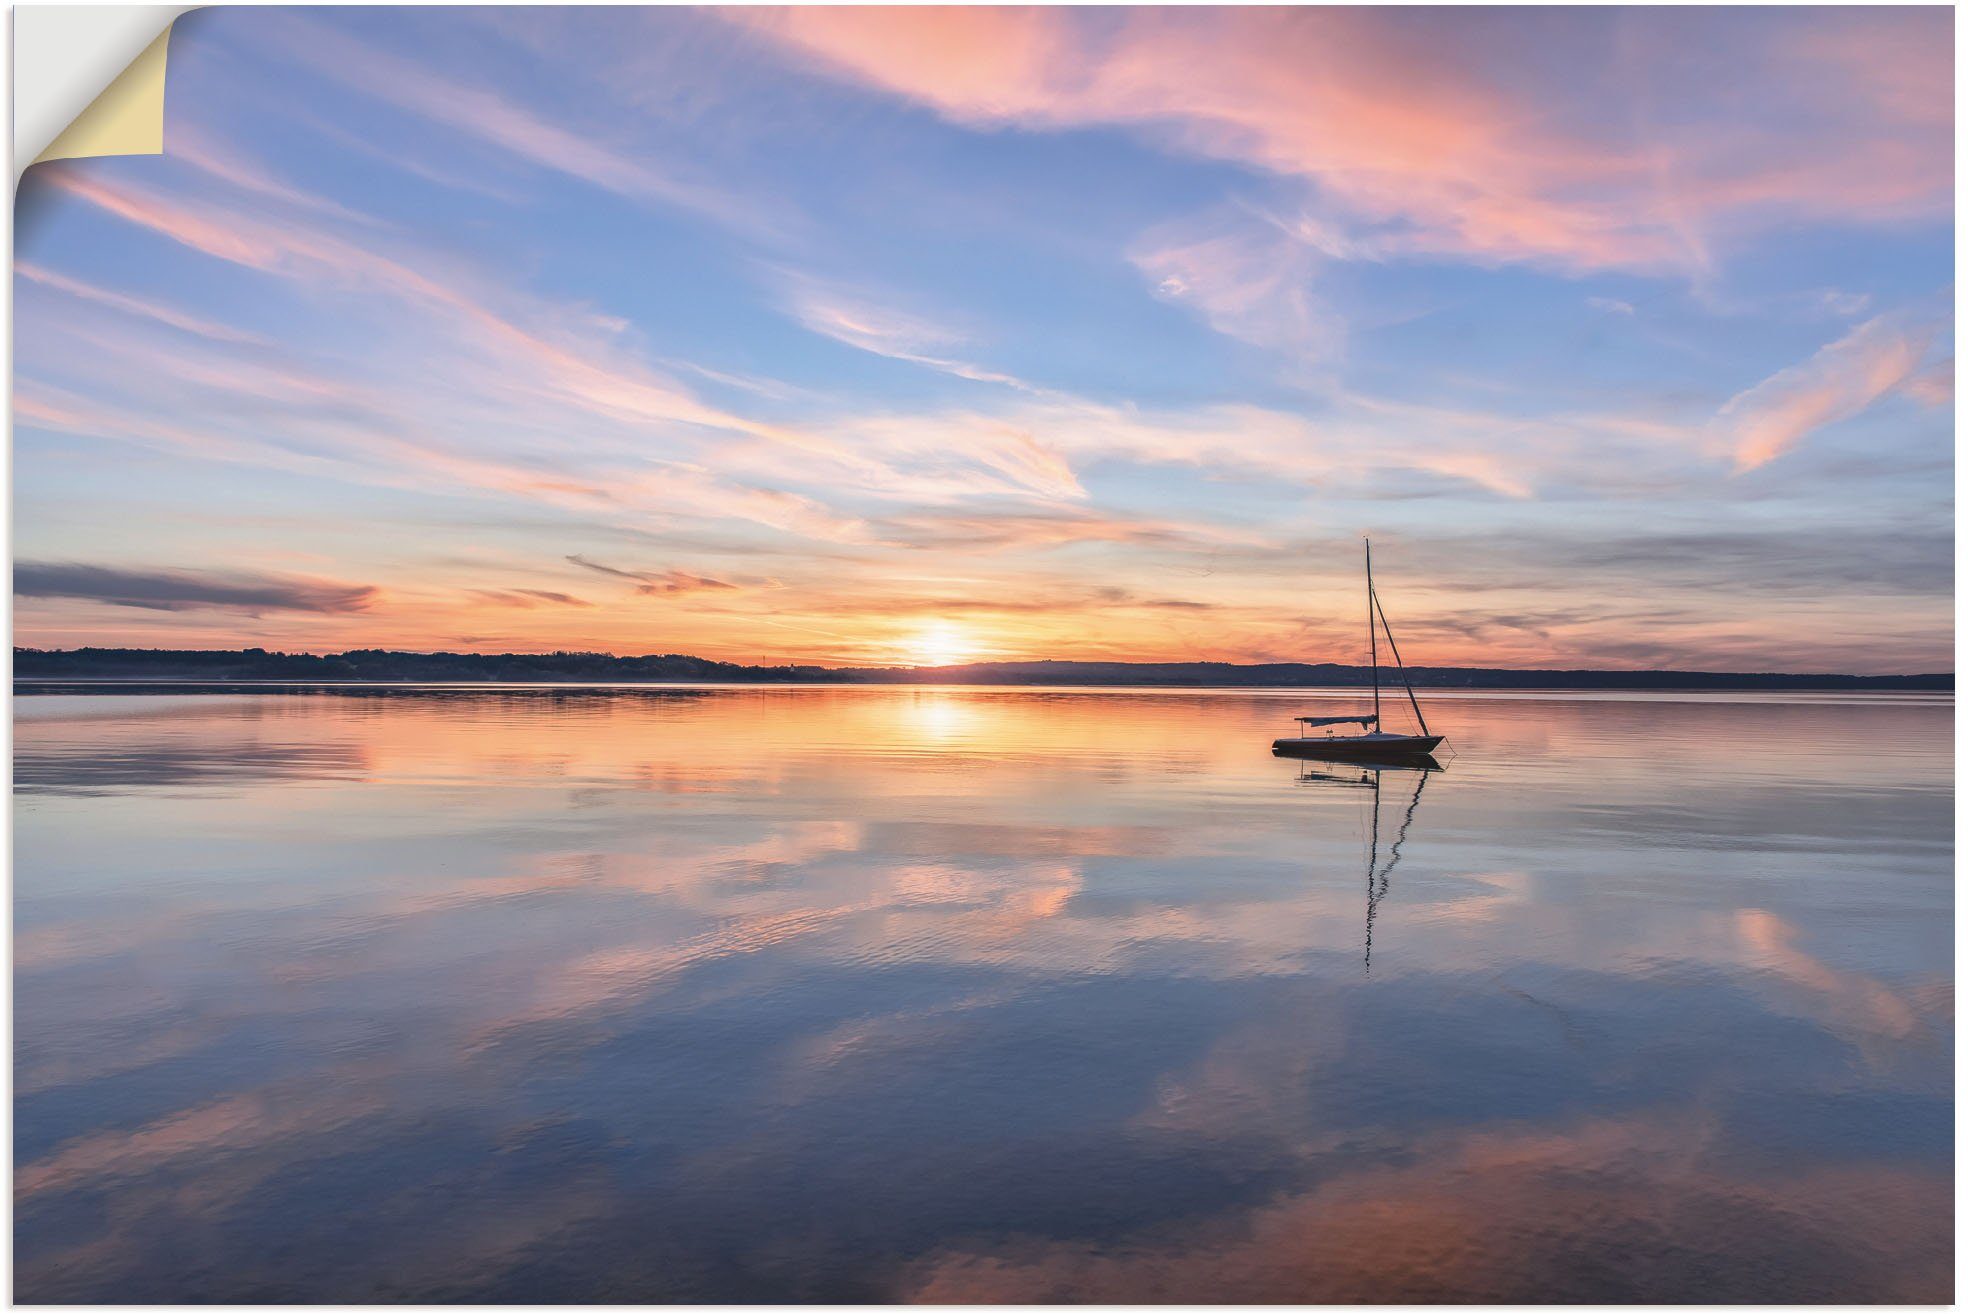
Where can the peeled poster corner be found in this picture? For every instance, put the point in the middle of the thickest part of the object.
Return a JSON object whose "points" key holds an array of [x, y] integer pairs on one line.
{"points": [[89, 80]]}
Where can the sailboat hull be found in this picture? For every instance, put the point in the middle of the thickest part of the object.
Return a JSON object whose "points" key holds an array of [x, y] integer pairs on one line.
{"points": [[1354, 748]]}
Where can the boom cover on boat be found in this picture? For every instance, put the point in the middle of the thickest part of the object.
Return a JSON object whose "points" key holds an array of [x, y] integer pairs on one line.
{"points": [[1337, 720]]}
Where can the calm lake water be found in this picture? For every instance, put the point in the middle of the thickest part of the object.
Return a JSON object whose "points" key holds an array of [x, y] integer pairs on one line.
{"points": [[979, 995]]}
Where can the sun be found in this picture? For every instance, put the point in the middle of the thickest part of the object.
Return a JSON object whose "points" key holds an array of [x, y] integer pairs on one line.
{"points": [[939, 643]]}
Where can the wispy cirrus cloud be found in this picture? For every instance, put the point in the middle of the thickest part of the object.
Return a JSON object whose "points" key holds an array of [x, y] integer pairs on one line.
{"points": [[568, 360], [226, 164], [657, 583], [1845, 377], [1027, 528], [529, 598], [1355, 443], [1249, 276], [360, 445], [185, 590], [1426, 137], [588, 374], [505, 124], [867, 323], [571, 360], [132, 305], [337, 428]]}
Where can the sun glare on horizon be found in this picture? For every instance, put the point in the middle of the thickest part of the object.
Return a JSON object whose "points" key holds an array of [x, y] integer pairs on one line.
{"points": [[940, 643]]}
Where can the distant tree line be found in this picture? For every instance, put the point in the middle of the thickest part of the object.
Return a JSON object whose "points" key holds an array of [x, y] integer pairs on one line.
{"points": [[376, 664]]}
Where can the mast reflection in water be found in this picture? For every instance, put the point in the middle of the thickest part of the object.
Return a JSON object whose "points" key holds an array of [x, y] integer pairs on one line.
{"points": [[1367, 777]]}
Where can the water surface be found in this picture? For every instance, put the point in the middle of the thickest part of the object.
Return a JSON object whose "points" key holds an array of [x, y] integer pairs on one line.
{"points": [[979, 995]]}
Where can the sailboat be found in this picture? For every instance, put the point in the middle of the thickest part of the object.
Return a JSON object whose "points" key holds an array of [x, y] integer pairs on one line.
{"points": [[1372, 743]]}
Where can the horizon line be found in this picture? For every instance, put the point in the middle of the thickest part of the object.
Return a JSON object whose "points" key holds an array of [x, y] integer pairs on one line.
{"points": [[20, 649]]}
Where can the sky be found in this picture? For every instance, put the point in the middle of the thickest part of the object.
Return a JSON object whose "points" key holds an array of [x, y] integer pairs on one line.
{"points": [[918, 336]]}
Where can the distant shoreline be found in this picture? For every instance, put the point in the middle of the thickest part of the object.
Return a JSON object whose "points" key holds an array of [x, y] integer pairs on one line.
{"points": [[189, 671]]}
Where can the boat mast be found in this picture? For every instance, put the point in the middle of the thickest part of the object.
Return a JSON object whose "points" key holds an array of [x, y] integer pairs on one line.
{"points": [[1401, 666], [1373, 640]]}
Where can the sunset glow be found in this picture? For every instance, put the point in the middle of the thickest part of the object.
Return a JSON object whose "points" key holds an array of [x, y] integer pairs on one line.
{"points": [[926, 335], [940, 643]]}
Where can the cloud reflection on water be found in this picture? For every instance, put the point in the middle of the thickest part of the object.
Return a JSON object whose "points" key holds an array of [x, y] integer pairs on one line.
{"points": [[975, 995]]}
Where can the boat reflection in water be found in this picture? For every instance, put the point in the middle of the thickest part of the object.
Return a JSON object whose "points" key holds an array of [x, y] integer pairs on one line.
{"points": [[1366, 775]]}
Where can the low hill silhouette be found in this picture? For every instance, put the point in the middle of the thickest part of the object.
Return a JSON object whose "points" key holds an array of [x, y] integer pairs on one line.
{"points": [[374, 664]]}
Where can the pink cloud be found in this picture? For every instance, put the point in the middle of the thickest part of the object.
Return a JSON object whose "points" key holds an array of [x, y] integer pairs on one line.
{"points": [[1845, 377], [1249, 277], [201, 152], [1933, 387], [364, 454], [49, 408], [571, 361], [1403, 122], [571, 373], [130, 305]]}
